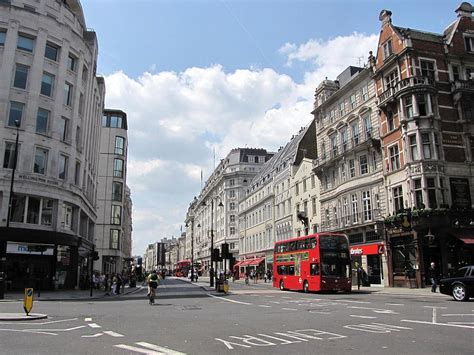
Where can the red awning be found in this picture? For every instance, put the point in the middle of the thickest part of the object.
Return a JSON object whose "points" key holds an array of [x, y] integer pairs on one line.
{"points": [[237, 264], [245, 262], [256, 261], [467, 237]]}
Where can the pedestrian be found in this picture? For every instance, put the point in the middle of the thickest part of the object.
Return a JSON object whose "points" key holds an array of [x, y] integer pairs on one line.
{"points": [[106, 284], [119, 284], [247, 277], [359, 276], [432, 272]]}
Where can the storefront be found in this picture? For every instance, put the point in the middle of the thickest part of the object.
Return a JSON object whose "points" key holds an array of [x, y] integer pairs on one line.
{"points": [[371, 258]]}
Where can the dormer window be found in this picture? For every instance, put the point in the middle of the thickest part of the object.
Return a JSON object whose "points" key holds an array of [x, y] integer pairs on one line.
{"points": [[469, 42], [387, 49]]}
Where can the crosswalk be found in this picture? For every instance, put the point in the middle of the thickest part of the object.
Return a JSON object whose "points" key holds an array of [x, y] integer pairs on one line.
{"points": [[148, 348]]}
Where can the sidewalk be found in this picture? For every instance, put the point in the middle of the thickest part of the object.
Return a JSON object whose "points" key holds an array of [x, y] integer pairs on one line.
{"points": [[203, 282], [68, 295]]}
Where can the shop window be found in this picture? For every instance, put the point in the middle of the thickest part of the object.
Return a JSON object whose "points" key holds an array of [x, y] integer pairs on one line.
{"points": [[418, 194], [431, 187]]}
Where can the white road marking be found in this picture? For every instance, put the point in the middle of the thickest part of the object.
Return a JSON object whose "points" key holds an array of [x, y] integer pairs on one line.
{"points": [[356, 316], [349, 301], [42, 323], [320, 312], [27, 331], [138, 350], [228, 300], [290, 309], [435, 307], [87, 319], [93, 335], [264, 306], [456, 315], [60, 330], [376, 328], [161, 349], [276, 302], [284, 341], [394, 304], [287, 297], [94, 325], [376, 310], [113, 334], [464, 323], [441, 324], [270, 296]]}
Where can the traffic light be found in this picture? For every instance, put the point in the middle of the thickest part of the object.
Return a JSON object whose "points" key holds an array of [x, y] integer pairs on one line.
{"points": [[225, 250], [216, 255], [94, 255]]}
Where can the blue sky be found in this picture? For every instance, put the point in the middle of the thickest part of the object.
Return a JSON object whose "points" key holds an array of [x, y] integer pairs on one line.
{"points": [[194, 75]]}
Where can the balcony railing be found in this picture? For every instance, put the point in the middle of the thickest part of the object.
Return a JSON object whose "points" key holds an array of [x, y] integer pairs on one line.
{"points": [[358, 219], [411, 82], [460, 85]]}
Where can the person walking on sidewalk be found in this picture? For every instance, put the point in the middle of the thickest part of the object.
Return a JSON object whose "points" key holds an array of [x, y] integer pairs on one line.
{"points": [[432, 272]]}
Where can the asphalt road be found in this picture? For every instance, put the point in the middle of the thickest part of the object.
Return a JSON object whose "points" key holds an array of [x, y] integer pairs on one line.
{"points": [[188, 319]]}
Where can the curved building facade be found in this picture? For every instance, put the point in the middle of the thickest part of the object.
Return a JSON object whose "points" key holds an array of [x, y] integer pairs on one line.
{"points": [[51, 97]]}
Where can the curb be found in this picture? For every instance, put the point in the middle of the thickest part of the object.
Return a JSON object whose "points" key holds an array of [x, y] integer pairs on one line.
{"points": [[21, 317]]}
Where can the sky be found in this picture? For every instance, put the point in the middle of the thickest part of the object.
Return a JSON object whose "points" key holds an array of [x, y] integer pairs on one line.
{"points": [[198, 78]]}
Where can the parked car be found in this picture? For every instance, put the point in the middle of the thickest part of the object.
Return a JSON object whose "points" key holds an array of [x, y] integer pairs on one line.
{"points": [[461, 285]]}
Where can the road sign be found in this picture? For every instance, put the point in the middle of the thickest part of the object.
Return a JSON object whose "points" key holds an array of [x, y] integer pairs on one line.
{"points": [[28, 300]]}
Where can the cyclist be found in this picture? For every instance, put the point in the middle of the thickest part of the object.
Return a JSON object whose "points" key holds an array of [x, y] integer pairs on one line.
{"points": [[152, 281]]}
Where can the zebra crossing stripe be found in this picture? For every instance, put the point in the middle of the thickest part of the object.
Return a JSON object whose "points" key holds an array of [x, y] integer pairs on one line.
{"points": [[147, 348]]}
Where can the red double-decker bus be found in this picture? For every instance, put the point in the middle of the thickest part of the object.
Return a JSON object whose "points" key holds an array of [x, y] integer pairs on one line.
{"points": [[316, 262], [182, 268]]}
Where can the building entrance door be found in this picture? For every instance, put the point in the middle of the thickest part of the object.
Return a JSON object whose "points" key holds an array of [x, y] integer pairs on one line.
{"points": [[373, 269]]}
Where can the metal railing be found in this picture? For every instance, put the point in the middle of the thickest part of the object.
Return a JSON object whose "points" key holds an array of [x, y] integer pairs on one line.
{"points": [[357, 219], [411, 82]]}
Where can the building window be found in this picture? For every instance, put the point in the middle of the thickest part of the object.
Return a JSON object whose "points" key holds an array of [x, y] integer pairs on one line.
{"points": [[426, 142], [9, 156], [232, 206], [114, 239], [232, 193], [390, 121], [297, 188], [64, 128], [355, 132], [365, 93], [456, 73], [428, 69], [77, 174], [422, 104], [353, 102], [117, 191], [116, 217], [344, 139], [67, 100], [341, 109], [345, 210], [432, 201], [116, 121], [313, 206], [36, 210], [51, 52], [42, 120], [418, 194], [67, 216], [367, 205], [334, 145], [394, 157], [232, 218], [71, 62], [413, 147], [391, 79], [3, 35], [231, 182], [232, 230], [118, 168], [119, 145], [25, 43], [21, 76], [355, 208], [78, 139], [63, 165], [408, 106], [343, 171], [16, 113], [469, 41], [387, 49], [367, 126], [364, 168], [352, 168], [41, 161], [47, 84], [313, 181], [397, 194], [304, 185]]}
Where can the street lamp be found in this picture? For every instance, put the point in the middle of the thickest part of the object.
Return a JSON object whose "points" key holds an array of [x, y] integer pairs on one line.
{"points": [[3, 243], [192, 248], [211, 278]]}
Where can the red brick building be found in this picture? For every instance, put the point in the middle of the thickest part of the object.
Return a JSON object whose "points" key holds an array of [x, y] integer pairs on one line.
{"points": [[425, 89]]}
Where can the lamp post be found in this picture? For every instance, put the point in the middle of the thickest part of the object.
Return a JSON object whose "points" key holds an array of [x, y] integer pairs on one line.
{"points": [[211, 279], [3, 243], [192, 250]]}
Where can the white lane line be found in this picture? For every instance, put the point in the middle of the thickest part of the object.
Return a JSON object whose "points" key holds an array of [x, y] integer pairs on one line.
{"points": [[348, 301], [441, 324], [42, 323], [60, 330], [138, 350], [447, 315], [270, 296], [290, 309], [435, 307], [276, 302], [93, 335], [464, 323], [159, 348], [87, 319], [376, 310], [94, 325], [113, 334], [356, 316], [233, 301], [319, 312], [264, 306], [27, 331], [394, 304], [287, 297]]}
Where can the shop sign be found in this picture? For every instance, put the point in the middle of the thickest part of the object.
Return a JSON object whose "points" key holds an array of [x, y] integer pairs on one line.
{"points": [[369, 249], [30, 249], [460, 193], [452, 139]]}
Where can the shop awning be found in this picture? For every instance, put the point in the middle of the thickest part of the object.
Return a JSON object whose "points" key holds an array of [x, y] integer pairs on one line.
{"points": [[245, 263], [256, 261], [237, 264], [466, 236]]}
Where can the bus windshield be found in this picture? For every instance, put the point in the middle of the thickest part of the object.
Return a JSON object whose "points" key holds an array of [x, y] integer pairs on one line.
{"points": [[334, 253]]}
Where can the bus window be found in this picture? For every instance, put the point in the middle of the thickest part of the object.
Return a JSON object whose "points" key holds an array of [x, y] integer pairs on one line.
{"points": [[281, 270], [291, 270], [314, 269], [312, 243], [292, 246]]}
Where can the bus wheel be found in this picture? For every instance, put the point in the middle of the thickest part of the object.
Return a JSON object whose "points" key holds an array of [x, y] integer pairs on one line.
{"points": [[305, 287], [282, 287]]}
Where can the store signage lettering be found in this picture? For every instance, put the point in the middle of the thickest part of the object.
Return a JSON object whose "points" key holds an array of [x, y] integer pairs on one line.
{"points": [[370, 249], [38, 179], [452, 139]]}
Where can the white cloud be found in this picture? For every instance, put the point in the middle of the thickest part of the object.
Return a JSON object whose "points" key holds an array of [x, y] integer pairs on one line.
{"points": [[177, 120]]}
